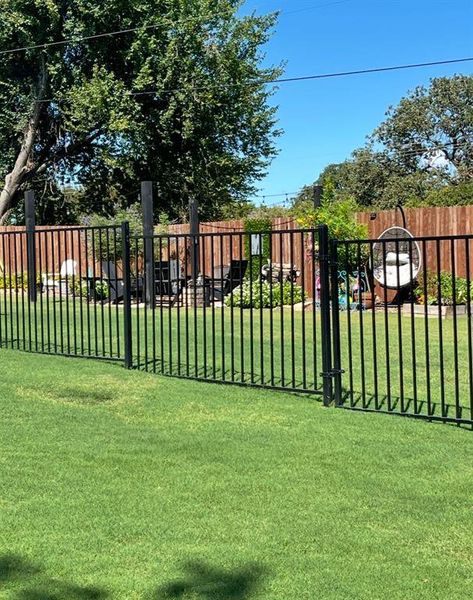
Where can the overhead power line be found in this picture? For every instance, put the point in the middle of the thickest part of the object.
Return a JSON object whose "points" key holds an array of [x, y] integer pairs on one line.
{"points": [[295, 79], [400, 153], [77, 40]]}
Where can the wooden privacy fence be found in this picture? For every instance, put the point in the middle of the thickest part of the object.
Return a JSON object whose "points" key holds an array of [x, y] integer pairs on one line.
{"points": [[54, 245]]}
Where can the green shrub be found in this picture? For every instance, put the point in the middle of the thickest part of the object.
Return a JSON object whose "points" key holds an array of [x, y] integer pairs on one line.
{"points": [[17, 281], [451, 195], [259, 294], [428, 293]]}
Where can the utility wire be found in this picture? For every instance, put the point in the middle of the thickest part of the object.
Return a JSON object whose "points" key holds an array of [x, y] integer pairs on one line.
{"points": [[294, 79], [139, 28]]}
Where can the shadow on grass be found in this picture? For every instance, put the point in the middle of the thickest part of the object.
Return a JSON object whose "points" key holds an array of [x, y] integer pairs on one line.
{"points": [[209, 583], [406, 406], [31, 584]]}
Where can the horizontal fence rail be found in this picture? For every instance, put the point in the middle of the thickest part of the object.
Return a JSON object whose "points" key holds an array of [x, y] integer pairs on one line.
{"points": [[405, 333]]}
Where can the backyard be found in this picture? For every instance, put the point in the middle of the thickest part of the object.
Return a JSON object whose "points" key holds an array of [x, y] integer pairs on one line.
{"points": [[123, 484]]}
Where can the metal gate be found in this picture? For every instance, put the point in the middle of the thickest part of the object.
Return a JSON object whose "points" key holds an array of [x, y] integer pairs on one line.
{"points": [[402, 331]]}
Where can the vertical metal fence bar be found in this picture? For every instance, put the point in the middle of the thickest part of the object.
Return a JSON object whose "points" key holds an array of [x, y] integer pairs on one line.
{"points": [[90, 287], [41, 303], [24, 280], [127, 323], [399, 329], [48, 268], [458, 411], [336, 347], [212, 299], [272, 307], [187, 242], [303, 323], [111, 258], [426, 329], [374, 333], [324, 259], [152, 300], [386, 330], [232, 313], [94, 287], [281, 309], [347, 271], [171, 284], [469, 328], [252, 281], [116, 285], [136, 277], [443, 407], [81, 293], [413, 329], [314, 269], [161, 308], [293, 325], [147, 294], [242, 331], [18, 290], [360, 283], [203, 242]]}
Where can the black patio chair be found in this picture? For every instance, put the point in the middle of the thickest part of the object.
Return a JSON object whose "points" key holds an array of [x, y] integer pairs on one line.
{"points": [[115, 283], [167, 279], [226, 279]]}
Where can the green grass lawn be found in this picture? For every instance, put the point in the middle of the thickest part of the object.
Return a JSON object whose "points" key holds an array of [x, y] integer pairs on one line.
{"points": [[122, 484], [391, 362]]}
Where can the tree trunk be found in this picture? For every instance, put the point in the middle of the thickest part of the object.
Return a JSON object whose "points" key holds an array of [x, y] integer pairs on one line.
{"points": [[24, 164]]}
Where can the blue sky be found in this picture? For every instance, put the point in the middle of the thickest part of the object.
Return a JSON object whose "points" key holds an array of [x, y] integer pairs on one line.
{"points": [[325, 120]]}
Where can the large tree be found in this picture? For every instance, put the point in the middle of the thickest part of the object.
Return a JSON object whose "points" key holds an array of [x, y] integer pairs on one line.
{"points": [[181, 100], [424, 144]]}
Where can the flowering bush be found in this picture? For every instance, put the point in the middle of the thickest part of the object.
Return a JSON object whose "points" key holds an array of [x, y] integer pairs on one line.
{"points": [[262, 294]]}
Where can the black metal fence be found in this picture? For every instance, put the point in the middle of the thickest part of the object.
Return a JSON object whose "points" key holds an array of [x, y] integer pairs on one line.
{"points": [[371, 325], [68, 301], [231, 307], [403, 331]]}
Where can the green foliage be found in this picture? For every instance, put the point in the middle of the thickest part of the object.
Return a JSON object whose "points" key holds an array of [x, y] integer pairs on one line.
{"points": [[257, 224], [16, 281], [339, 216], [452, 195], [109, 247], [262, 294], [77, 287], [429, 292], [197, 128]]}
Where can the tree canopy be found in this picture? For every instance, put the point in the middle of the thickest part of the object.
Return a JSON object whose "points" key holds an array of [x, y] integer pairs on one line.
{"points": [[181, 99], [422, 148]]}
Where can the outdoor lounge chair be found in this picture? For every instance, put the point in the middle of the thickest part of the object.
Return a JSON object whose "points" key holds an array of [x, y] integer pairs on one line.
{"points": [[226, 279], [68, 269], [168, 280]]}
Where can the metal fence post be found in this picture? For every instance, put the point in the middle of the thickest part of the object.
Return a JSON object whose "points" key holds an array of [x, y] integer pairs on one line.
{"points": [[337, 362], [324, 264], [125, 230], [30, 222], [194, 231], [148, 232]]}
